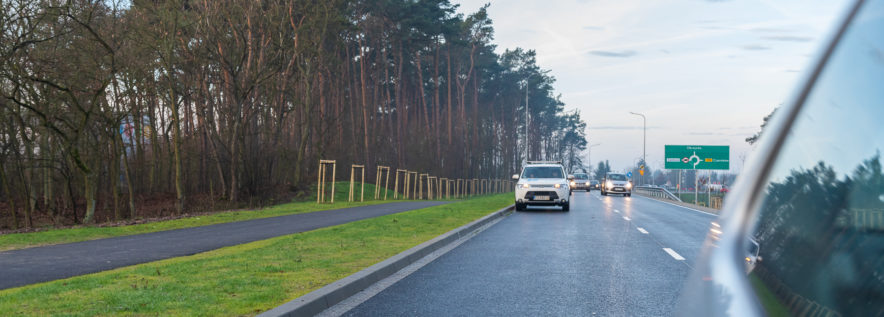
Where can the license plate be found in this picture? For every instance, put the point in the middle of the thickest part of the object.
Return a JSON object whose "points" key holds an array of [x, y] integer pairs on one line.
{"points": [[541, 197], [618, 189]]}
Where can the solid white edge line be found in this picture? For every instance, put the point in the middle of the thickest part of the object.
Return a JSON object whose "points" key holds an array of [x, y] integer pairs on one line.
{"points": [[642, 230], [674, 255], [357, 299], [626, 218], [688, 208]]}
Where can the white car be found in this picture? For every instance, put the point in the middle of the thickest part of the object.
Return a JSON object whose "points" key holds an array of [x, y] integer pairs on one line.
{"points": [[543, 183], [615, 183]]}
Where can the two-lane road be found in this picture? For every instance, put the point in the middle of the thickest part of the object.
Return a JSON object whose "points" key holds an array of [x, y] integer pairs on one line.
{"points": [[610, 255]]}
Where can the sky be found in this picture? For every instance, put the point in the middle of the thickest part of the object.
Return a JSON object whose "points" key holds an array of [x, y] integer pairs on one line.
{"points": [[703, 72]]}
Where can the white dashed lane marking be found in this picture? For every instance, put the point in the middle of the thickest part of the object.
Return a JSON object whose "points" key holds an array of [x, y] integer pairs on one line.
{"points": [[674, 254], [617, 211], [642, 230], [626, 218]]}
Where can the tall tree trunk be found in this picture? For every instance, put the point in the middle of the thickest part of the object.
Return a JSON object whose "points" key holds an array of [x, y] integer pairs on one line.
{"points": [[448, 80], [127, 174], [420, 84], [176, 149], [436, 112], [365, 135], [5, 183], [115, 174], [48, 197], [89, 189]]}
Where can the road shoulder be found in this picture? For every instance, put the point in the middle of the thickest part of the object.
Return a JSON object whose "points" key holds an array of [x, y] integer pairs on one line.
{"points": [[328, 296]]}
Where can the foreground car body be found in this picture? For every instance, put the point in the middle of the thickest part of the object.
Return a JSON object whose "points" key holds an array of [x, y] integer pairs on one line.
{"points": [[811, 198], [542, 184]]}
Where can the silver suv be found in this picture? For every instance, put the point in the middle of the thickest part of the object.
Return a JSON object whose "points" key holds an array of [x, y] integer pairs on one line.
{"points": [[542, 183]]}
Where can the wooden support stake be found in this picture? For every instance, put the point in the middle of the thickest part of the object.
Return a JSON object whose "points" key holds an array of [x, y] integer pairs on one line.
{"points": [[414, 186], [377, 181], [353, 169], [320, 186]]}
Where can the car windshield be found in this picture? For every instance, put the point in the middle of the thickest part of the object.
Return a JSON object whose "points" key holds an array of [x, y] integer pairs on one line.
{"points": [[588, 145], [542, 172]]}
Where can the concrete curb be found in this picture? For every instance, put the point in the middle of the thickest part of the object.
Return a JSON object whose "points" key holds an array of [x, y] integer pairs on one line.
{"points": [[319, 300]]}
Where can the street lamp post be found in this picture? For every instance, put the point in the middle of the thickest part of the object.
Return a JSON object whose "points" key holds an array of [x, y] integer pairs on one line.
{"points": [[644, 138], [589, 154]]}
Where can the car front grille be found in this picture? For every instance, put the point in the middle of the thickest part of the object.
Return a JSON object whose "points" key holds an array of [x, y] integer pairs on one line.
{"points": [[552, 195]]}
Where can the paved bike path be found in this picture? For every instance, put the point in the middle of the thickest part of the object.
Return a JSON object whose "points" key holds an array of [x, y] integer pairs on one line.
{"points": [[48, 263]]}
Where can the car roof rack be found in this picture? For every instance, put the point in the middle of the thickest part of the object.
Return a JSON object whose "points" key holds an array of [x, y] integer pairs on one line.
{"points": [[544, 162]]}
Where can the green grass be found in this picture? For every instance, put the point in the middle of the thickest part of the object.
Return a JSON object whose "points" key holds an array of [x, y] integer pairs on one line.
{"points": [[245, 279], [772, 306], [703, 197], [68, 235]]}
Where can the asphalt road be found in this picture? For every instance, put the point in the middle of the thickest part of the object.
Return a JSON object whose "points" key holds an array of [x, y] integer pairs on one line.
{"points": [[608, 256], [43, 264]]}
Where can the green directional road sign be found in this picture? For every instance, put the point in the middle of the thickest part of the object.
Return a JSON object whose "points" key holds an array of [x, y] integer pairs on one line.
{"points": [[699, 157]]}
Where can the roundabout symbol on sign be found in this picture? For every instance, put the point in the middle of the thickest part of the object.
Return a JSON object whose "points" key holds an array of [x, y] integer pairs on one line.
{"points": [[694, 157]]}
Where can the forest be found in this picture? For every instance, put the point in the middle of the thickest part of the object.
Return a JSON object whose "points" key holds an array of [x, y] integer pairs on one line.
{"points": [[116, 110]]}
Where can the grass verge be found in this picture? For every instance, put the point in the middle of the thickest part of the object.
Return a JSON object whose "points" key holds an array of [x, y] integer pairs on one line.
{"points": [[245, 279], [57, 236]]}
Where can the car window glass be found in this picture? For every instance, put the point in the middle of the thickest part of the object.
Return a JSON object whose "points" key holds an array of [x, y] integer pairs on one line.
{"points": [[580, 176], [617, 177], [820, 229], [543, 172]]}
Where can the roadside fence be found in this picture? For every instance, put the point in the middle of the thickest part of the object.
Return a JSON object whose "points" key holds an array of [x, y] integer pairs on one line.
{"points": [[415, 185]]}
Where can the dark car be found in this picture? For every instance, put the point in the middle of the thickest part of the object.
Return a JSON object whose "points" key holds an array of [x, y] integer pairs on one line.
{"points": [[594, 184], [809, 205]]}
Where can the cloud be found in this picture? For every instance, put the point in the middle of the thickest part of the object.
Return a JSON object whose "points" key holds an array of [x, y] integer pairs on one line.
{"points": [[717, 134], [771, 30], [788, 38], [755, 47], [621, 127], [626, 53], [594, 28], [705, 133]]}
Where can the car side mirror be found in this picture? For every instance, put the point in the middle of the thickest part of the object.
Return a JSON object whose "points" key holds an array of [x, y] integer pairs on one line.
{"points": [[758, 259], [570, 177], [515, 177]]}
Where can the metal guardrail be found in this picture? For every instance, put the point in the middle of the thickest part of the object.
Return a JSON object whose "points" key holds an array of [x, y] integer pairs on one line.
{"points": [[657, 192]]}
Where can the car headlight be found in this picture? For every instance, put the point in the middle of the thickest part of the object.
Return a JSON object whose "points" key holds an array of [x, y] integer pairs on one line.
{"points": [[628, 185], [609, 184], [587, 184], [573, 183], [558, 186], [524, 186]]}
